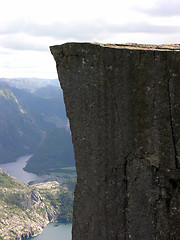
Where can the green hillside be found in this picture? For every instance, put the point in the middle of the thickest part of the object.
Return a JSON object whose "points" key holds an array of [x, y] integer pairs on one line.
{"points": [[25, 116], [25, 209], [19, 132], [55, 156], [45, 104]]}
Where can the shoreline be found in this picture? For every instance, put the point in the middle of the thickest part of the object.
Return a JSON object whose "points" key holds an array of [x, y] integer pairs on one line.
{"points": [[16, 169], [53, 226]]}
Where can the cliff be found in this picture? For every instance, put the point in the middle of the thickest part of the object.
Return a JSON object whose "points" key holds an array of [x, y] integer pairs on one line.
{"points": [[123, 103], [25, 210]]}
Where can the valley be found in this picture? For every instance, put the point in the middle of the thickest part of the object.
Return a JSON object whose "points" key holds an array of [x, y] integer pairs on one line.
{"points": [[35, 148], [33, 121]]}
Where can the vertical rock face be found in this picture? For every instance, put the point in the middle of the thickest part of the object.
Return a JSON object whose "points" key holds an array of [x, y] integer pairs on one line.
{"points": [[123, 103]]}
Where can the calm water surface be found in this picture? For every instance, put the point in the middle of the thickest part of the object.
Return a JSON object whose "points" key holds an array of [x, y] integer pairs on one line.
{"points": [[55, 231], [15, 169]]}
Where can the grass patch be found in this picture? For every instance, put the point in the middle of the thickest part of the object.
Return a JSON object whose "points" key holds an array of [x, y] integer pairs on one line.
{"points": [[69, 168], [63, 175]]}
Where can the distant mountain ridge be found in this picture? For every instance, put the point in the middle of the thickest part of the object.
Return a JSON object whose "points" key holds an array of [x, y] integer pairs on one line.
{"points": [[30, 83]]}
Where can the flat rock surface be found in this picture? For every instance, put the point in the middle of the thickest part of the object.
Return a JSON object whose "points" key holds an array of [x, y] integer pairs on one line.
{"points": [[163, 47]]}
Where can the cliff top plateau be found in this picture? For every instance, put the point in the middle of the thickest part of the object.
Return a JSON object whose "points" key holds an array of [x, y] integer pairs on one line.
{"points": [[161, 47]]}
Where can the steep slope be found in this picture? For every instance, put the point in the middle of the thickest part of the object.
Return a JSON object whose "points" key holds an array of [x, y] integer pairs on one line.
{"points": [[25, 116], [25, 210], [54, 156], [19, 132], [45, 104]]}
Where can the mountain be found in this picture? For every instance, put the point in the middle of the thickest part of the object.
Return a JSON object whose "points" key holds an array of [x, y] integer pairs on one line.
{"points": [[49, 91], [25, 116], [19, 132], [25, 209], [54, 156], [46, 105], [32, 84], [33, 121]]}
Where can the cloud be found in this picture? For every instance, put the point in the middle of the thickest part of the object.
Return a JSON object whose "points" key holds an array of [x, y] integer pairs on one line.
{"points": [[28, 35], [23, 45], [145, 27], [57, 30], [81, 31], [162, 8]]}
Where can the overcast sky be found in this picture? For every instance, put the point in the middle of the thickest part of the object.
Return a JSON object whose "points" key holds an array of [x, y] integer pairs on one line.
{"points": [[29, 27]]}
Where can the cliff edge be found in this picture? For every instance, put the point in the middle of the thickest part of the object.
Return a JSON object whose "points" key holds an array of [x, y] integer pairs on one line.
{"points": [[123, 103]]}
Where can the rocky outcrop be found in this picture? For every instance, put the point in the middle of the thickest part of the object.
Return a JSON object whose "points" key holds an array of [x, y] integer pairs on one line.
{"points": [[123, 103], [25, 210]]}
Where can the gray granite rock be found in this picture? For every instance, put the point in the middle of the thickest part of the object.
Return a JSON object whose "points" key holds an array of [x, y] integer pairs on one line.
{"points": [[123, 103]]}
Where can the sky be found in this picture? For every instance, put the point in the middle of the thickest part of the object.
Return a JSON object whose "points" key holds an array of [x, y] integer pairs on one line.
{"points": [[29, 27]]}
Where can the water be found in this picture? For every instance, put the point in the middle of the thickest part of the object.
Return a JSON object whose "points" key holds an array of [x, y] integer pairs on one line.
{"points": [[15, 169], [55, 231]]}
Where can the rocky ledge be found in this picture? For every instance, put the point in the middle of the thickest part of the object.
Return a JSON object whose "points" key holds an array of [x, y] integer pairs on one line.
{"points": [[123, 103]]}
